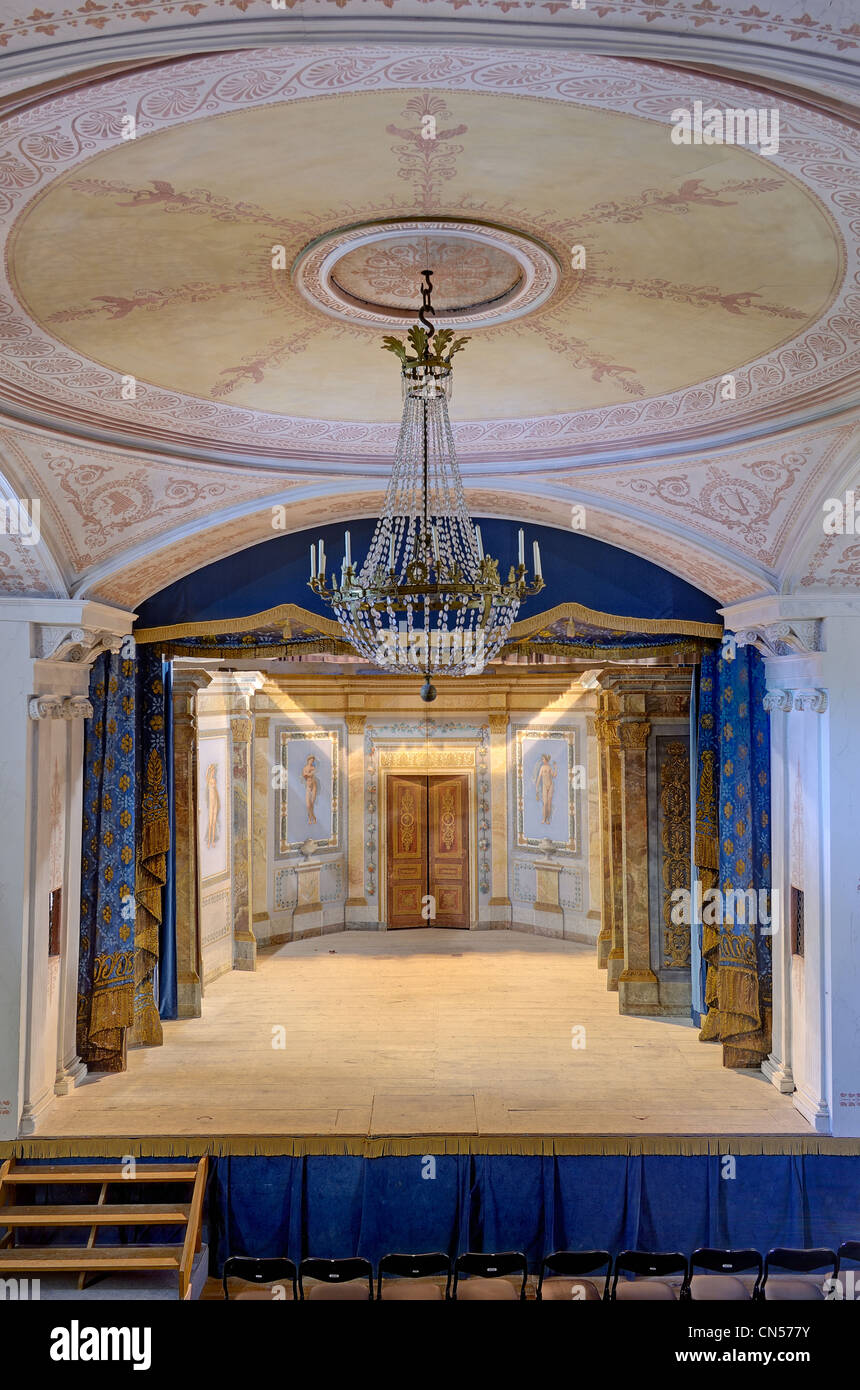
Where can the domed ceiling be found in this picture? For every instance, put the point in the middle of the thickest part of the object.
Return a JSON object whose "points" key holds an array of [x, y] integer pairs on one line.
{"points": [[191, 319], [238, 256]]}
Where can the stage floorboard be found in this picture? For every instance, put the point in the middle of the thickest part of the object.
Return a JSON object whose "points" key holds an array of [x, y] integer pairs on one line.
{"points": [[422, 1032]]}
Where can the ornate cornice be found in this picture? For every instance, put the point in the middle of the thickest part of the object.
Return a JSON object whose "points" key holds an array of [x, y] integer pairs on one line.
{"points": [[59, 642], [791, 637], [812, 698], [59, 707]]}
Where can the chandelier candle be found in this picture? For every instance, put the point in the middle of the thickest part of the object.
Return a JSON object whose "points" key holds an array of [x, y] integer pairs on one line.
{"points": [[426, 598]]}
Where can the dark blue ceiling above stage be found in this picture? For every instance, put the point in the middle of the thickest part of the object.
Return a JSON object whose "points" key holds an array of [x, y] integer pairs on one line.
{"points": [[576, 568]]}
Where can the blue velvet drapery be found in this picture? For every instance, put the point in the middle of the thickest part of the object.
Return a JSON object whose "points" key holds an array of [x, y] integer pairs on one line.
{"points": [[342, 1206], [106, 960], [124, 857], [732, 852]]}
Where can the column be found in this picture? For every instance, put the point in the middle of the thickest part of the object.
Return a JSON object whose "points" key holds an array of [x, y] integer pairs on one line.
{"points": [[47, 647], [500, 902], [244, 941], [638, 989], [261, 842], [593, 759], [604, 939], [615, 958], [812, 665], [189, 988], [356, 908]]}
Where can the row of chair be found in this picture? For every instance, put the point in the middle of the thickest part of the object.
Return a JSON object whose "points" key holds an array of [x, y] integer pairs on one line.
{"points": [[565, 1275]]}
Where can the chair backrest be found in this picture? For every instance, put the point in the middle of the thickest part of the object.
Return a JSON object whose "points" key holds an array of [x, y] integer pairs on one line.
{"points": [[651, 1264], [727, 1262], [848, 1250], [414, 1267], [575, 1262], [335, 1272], [491, 1266], [799, 1261], [258, 1271]]}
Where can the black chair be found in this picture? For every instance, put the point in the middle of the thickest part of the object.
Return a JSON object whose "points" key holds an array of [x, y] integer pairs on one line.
{"points": [[798, 1262], [262, 1272], [651, 1269], [486, 1281], [340, 1280], [405, 1269], [565, 1270], [848, 1250], [721, 1284]]}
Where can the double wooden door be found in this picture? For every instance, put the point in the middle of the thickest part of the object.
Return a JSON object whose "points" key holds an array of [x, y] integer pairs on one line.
{"points": [[428, 850]]}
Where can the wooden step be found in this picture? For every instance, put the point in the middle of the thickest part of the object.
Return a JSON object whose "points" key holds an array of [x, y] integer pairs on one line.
{"points": [[103, 1172], [75, 1259], [118, 1214]]}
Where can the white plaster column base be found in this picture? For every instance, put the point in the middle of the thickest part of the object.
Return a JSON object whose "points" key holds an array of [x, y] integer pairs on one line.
{"points": [[778, 1074], [813, 1110], [71, 1075]]}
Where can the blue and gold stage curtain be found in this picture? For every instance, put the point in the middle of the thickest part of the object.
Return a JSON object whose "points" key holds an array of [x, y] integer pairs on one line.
{"points": [[706, 852], [107, 949], [168, 1006], [152, 842], [732, 847]]}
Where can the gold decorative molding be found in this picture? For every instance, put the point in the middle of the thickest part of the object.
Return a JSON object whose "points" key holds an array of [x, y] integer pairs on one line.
{"points": [[355, 723], [241, 730], [499, 723], [420, 759], [633, 734], [261, 726], [675, 840]]}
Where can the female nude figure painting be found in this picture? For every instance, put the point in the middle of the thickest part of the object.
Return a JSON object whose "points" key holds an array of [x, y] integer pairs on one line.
{"points": [[312, 786], [213, 806], [545, 785]]}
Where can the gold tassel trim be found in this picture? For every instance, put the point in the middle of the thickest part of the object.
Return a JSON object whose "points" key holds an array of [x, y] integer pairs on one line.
{"points": [[406, 1146]]}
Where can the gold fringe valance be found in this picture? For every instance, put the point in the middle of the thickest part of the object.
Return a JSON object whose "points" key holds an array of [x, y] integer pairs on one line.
{"points": [[301, 621], [405, 1146]]}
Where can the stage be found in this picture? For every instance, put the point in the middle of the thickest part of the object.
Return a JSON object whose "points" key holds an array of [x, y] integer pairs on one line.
{"points": [[430, 1032]]}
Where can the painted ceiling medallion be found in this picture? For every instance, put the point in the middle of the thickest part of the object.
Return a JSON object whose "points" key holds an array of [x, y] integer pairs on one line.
{"points": [[371, 273]]}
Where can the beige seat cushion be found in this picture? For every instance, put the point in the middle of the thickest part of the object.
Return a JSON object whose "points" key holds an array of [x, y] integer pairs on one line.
{"points": [[566, 1288], [718, 1288], [644, 1291], [794, 1288], [353, 1292], [271, 1293], [410, 1291], [486, 1290]]}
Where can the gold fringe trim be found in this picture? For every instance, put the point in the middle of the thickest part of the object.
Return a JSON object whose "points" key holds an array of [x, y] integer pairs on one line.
{"points": [[707, 853], [575, 652], [527, 627], [291, 613], [284, 614], [405, 1146]]}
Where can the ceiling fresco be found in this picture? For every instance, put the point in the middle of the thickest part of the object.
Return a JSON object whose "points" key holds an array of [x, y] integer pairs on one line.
{"points": [[190, 320]]}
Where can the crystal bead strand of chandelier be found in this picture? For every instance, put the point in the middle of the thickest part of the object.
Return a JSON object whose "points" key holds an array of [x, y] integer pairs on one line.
{"points": [[464, 543]]}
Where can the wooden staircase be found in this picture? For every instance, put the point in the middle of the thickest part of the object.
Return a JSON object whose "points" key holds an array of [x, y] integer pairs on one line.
{"points": [[18, 1217]]}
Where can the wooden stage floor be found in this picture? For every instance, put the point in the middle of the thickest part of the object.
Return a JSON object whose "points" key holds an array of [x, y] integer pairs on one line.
{"points": [[422, 1032]]}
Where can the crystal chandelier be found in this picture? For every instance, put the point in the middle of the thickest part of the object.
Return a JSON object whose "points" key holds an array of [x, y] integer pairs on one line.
{"points": [[426, 599]]}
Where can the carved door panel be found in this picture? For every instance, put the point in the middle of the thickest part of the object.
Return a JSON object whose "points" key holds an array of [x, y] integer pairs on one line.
{"points": [[428, 850], [448, 859], [407, 850]]}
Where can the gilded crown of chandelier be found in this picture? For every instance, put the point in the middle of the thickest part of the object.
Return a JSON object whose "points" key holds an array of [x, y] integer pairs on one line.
{"points": [[426, 599]]}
